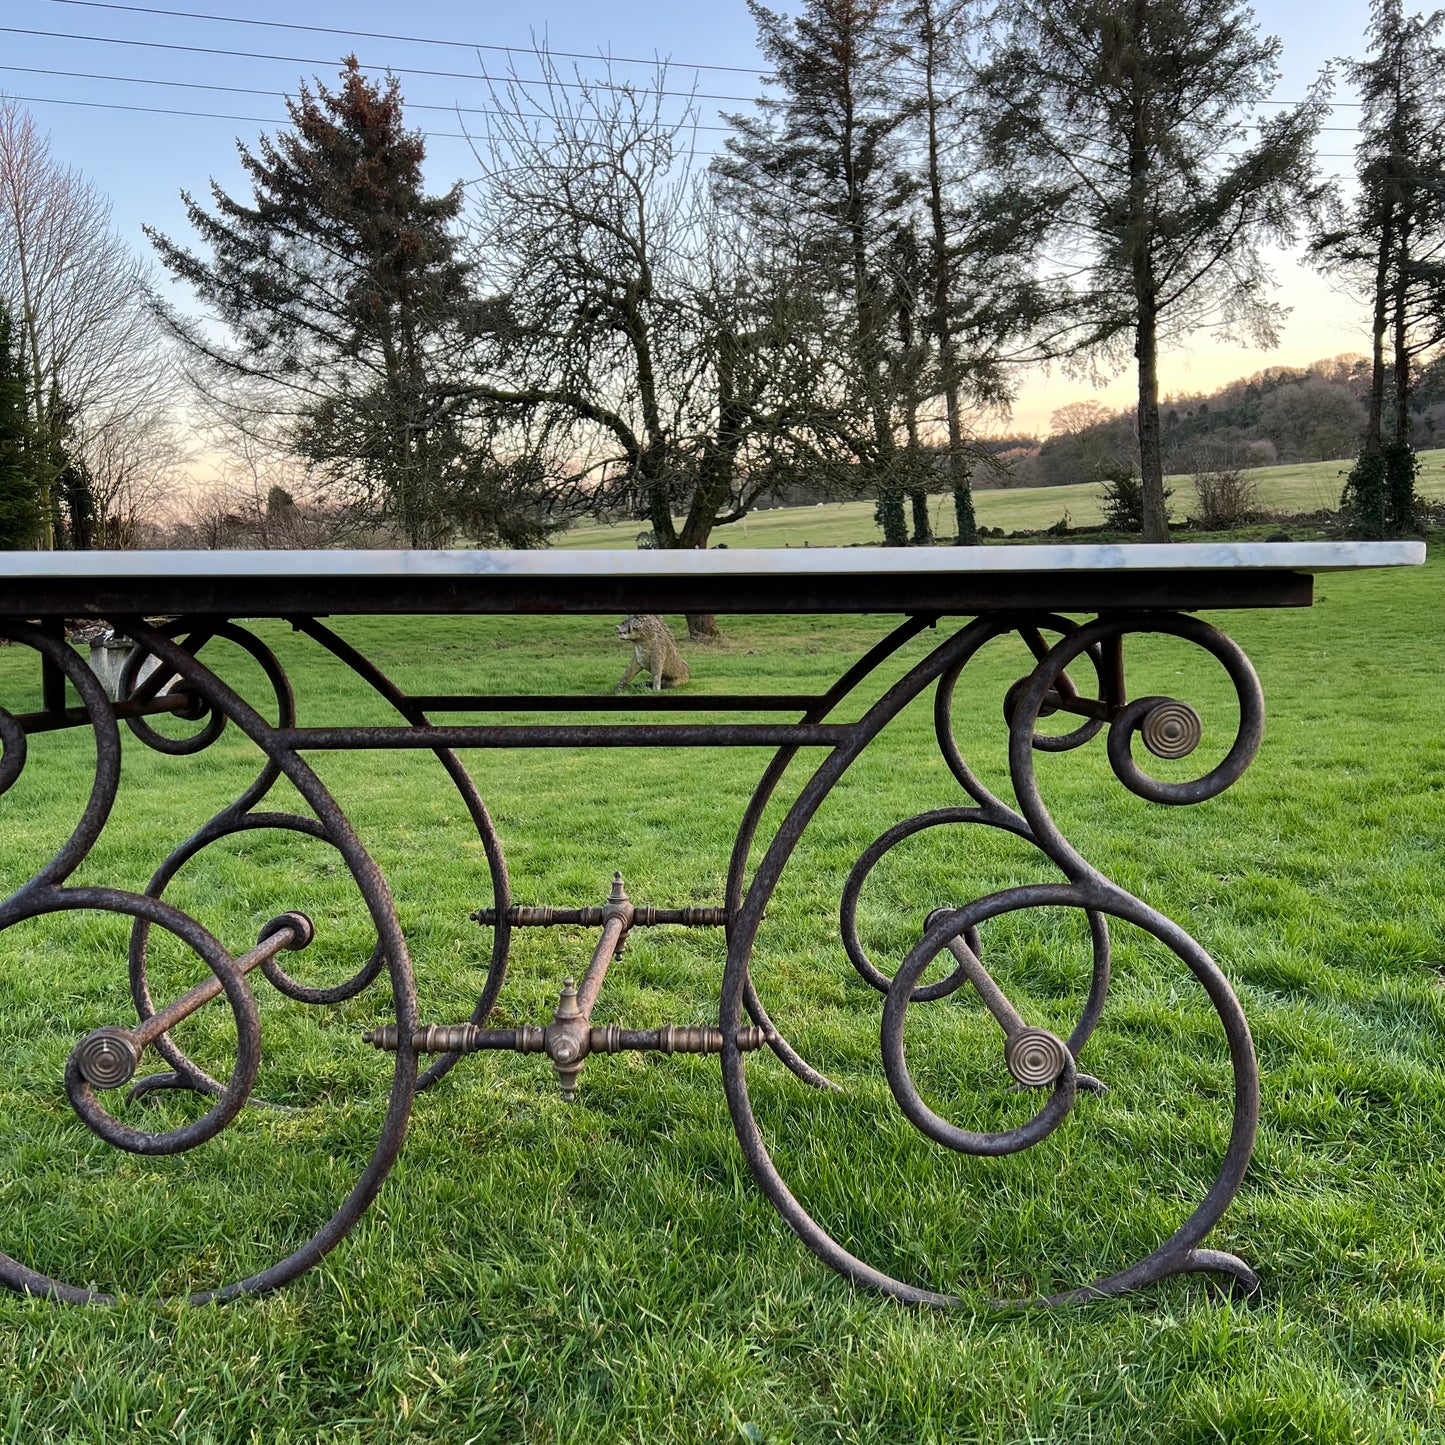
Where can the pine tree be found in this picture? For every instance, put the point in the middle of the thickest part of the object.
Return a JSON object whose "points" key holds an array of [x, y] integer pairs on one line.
{"points": [[20, 520], [980, 297], [819, 162], [343, 286], [1127, 121], [1390, 244]]}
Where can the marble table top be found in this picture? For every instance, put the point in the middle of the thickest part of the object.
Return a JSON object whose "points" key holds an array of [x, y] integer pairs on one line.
{"points": [[957, 580]]}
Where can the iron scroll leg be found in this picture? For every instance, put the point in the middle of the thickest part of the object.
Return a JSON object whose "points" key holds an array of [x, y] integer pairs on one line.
{"points": [[101, 1061], [1166, 727], [241, 816], [752, 817]]}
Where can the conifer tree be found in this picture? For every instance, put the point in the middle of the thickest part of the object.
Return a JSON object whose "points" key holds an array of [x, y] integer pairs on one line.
{"points": [[819, 164], [345, 293], [981, 298], [1128, 122], [1389, 245], [19, 504]]}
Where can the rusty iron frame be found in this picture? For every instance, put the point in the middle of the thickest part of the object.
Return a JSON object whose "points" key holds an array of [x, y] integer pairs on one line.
{"points": [[892, 592], [182, 685]]}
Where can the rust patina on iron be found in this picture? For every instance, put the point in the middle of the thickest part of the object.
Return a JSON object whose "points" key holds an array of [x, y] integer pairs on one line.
{"points": [[1134, 596]]}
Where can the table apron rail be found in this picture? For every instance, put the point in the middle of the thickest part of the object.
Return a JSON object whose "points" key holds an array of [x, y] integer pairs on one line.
{"points": [[960, 594], [601, 735], [617, 702]]}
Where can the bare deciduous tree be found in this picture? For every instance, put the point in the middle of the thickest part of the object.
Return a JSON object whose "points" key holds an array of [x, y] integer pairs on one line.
{"points": [[99, 383], [669, 358], [135, 462]]}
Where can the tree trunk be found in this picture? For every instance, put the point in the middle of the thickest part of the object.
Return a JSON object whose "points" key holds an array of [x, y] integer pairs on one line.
{"points": [[1151, 463], [30, 331], [709, 496], [963, 514], [959, 472], [1146, 300], [659, 500], [1380, 321], [922, 531], [888, 513], [867, 351], [1401, 431], [917, 494]]}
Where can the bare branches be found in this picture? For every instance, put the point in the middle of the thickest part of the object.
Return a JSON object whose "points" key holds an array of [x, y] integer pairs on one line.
{"points": [[100, 385], [664, 350]]}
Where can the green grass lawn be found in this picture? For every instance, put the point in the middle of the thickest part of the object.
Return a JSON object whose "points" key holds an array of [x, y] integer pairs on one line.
{"points": [[606, 1271], [1304, 487]]}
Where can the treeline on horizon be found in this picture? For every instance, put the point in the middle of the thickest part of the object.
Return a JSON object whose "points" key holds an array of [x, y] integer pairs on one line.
{"points": [[1274, 416]]}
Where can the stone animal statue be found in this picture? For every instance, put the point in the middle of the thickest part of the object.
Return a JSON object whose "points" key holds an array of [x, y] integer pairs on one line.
{"points": [[653, 648]]}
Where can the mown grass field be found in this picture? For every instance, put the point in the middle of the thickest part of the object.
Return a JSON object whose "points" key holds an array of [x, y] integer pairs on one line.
{"points": [[606, 1272], [1291, 489]]}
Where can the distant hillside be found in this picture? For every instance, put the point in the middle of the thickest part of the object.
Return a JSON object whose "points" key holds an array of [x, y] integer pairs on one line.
{"points": [[1282, 415]]}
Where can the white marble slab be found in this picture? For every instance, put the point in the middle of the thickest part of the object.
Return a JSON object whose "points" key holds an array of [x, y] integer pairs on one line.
{"points": [[722, 562]]}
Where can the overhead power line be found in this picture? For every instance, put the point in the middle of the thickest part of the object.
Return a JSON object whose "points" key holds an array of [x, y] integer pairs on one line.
{"points": [[271, 120], [483, 75], [284, 95], [395, 69], [409, 39], [448, 43], [142, 109]]}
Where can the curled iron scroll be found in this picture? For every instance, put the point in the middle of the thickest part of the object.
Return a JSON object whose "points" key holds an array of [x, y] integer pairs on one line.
{"points": [[94, 1062], [1169, 728], [1130, 720]]}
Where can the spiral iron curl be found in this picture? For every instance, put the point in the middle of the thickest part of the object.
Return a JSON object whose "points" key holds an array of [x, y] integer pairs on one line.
{"points": [[102, 1060], [1168, 728]]}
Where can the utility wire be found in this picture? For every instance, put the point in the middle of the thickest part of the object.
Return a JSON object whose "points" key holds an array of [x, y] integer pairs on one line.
{"points": [[143, 109], [395, 69], [265, 120], [284, 95], [409, 39], [448, 43], [411, 69], [409, 105]]}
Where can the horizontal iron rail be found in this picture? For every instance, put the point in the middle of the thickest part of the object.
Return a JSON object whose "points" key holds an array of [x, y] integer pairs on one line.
{"points": [[613, 702], [952, 594], [644, 915], [601, 735], [530, 1039], [77, 717]]}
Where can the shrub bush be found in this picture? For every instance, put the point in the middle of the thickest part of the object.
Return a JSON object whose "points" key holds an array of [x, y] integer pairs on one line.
{"points": [[1379, 498], [1123, 501], [1226, 498]]}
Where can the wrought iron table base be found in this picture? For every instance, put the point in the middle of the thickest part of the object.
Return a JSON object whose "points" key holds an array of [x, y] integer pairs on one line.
{"points": [[108, 1059]]}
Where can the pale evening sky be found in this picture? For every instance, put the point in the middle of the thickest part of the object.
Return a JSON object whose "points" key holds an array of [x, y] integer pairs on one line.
{"points": [[143, 159]]}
